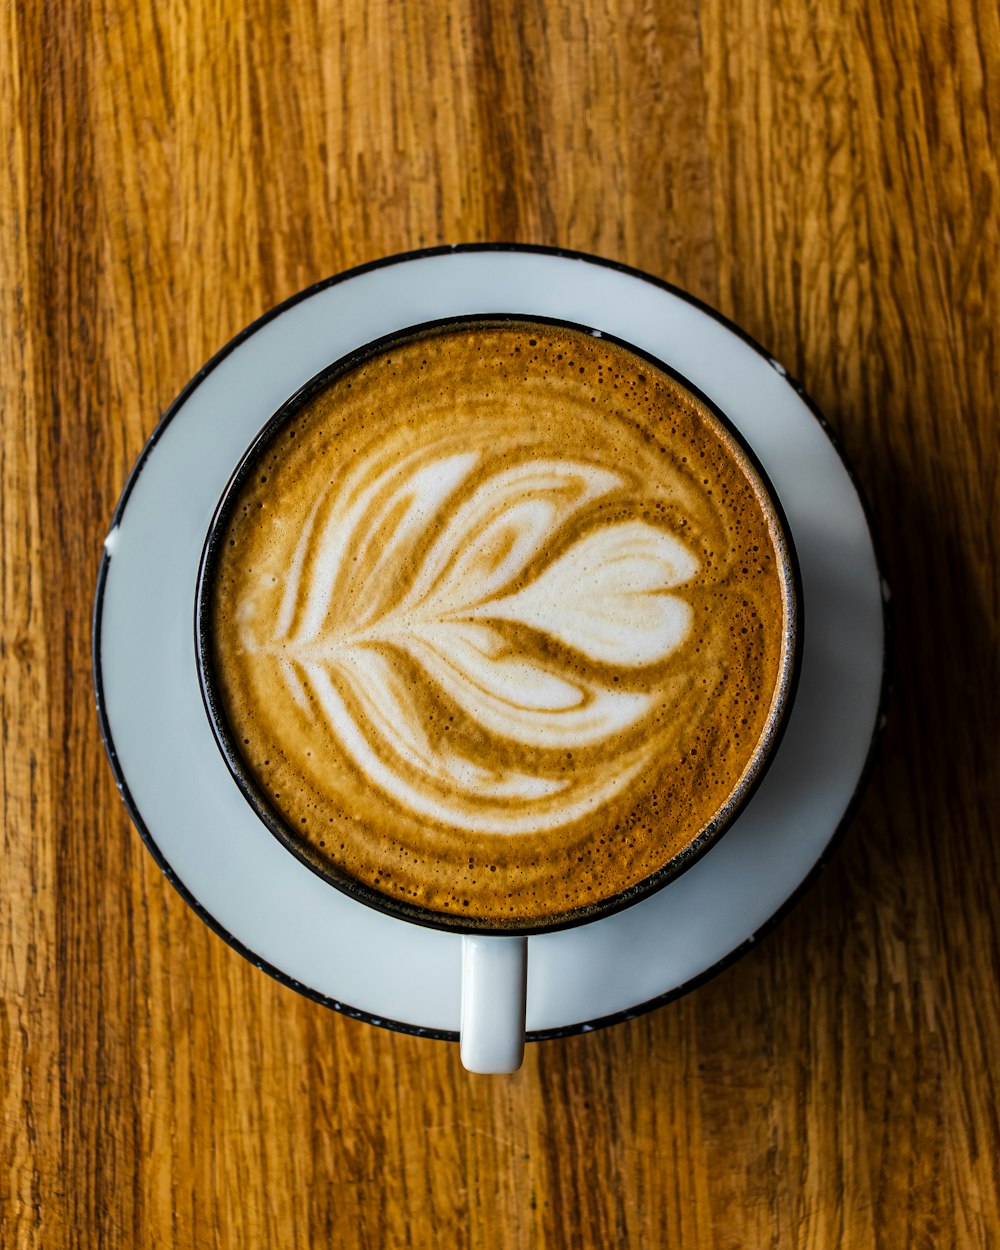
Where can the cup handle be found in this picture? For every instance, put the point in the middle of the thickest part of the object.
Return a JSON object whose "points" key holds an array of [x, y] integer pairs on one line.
{"points": [[494, 985]]}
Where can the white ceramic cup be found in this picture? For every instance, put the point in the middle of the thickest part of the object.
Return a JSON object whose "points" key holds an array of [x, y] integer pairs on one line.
{"points": [[494, 961]]}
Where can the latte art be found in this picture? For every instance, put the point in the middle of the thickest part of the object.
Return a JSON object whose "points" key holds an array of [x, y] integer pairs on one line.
{"points": [[355, 596], [498, 618]]}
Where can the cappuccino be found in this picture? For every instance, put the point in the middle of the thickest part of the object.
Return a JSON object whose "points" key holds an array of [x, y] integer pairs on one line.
{"points": [[498, 619]]}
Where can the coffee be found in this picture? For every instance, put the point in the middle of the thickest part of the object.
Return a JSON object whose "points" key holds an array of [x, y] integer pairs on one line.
{"points": [[497, 620]]}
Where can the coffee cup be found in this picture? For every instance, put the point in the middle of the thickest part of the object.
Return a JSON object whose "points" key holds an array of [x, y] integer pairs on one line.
{"points": [[497, 625]]}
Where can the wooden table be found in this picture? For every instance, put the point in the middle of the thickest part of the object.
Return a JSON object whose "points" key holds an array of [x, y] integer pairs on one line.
{"points": [[827, 175]]}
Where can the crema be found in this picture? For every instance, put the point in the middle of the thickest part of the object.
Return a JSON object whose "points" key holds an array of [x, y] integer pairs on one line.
{"points": [[498, 620]]}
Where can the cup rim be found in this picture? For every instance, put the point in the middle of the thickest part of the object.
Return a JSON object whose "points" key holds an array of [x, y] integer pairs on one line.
{"points": [[783, 694]]}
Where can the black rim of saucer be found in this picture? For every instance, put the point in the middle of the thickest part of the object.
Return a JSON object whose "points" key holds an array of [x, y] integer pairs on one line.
{"points": [[257, 797], [581, 1026]]}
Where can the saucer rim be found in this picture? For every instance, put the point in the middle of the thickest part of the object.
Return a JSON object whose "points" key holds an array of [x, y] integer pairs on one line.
{"points": [[884, 686]]}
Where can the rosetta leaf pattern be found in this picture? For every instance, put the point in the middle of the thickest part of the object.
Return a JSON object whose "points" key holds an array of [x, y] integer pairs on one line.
{"points": [[508, 620]]}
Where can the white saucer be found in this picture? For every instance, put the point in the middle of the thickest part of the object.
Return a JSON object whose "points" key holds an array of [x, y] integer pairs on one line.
{"points": [[274, 909]]}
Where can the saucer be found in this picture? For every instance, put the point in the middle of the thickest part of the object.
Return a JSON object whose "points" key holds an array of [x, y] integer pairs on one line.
{"points": [[275, 910]]}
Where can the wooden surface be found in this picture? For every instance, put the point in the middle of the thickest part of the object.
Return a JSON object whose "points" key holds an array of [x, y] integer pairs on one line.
{"points": [[827, 175]]}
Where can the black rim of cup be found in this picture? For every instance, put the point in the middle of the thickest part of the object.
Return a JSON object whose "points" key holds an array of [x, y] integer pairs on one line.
{"points": [[782, 699]]}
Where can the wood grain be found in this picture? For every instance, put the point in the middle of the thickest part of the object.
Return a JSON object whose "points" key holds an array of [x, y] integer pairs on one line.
{"points": [[827, 174]]}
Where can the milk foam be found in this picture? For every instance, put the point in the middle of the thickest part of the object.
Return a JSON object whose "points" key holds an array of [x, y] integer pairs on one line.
{"points": [[354, 596], [498, 620]]}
